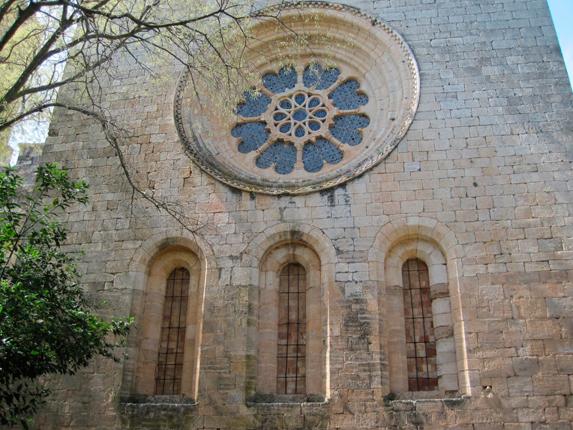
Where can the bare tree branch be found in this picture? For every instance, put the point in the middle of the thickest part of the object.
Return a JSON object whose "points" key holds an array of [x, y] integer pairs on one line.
{"points": [[21, 17], [40, 36]]}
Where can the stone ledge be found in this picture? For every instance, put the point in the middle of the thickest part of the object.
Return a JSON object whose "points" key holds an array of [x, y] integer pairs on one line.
{"points": [[278, 400], [142, 404], [395, 402]]}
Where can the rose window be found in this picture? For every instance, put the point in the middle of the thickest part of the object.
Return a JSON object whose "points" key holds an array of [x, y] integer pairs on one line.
{"points": [[339, 107], [301, 119]]}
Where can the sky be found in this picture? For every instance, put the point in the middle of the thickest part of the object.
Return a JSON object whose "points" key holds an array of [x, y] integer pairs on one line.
{"points": [[562, 12]]}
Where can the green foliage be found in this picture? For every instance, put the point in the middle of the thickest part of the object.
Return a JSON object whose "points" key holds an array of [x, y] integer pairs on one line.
{"points": [[46, 324]]}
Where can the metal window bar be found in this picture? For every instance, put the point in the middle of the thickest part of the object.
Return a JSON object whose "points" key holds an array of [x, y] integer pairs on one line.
{"points": [[172, 341], [291, 354], [420, 340]]}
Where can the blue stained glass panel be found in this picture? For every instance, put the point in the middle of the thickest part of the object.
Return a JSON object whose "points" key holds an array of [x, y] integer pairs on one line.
{"points": [[281, 154], [314, 102], [315, 154], [314, 125], [347, 97], [346, 128], [320, 113], [279, 82], [255, 104], [315, 76], [299, 115], [252, 135]]}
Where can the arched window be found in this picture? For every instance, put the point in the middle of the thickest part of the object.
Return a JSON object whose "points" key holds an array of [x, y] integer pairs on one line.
{"points": [[169, 317], [291, 326], [420, 338], [170, 357], [291, 348], [419, 321]]}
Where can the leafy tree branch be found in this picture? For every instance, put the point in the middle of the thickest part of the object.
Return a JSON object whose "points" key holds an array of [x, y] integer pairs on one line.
{"points": [[47, 325]]}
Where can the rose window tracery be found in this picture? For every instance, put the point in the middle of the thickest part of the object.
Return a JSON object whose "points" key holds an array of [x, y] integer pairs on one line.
{"points": [[299, 115], [323, 112], [301, 119]]}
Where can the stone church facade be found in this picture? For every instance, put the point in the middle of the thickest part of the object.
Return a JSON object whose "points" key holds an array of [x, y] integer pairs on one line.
{"points": [[381, 238]]}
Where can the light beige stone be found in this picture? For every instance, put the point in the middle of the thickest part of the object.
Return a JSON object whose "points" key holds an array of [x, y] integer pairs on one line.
{"points": [[478, 188]]}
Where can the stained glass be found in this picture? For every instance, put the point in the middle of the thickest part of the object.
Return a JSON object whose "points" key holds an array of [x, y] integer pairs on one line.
{"points": [[315, 115]]}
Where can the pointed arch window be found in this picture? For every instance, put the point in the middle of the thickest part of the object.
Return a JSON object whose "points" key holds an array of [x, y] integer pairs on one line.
{"points": [[170, 358], [420, 338], [291, 351]]}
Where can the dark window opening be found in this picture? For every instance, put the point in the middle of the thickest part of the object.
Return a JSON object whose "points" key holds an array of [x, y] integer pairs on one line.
{"points": [[291, 354], [420, 340], [172, 342]]}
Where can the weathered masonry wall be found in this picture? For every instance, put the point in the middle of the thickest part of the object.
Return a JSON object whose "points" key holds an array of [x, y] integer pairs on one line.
{"points": [[481, 189]]}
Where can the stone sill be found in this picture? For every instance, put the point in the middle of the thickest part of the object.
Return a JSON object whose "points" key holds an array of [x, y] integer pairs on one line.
{"points": [[411, 399], [280, 400], [138, 403]]}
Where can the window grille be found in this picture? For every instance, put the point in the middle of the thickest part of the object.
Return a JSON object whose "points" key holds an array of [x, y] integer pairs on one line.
{"points": [[291, 354], [420, 340], [170, 357]]}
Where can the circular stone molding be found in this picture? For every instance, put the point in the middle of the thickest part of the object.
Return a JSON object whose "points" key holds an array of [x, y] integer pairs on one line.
{"points": [[334, 109]]}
